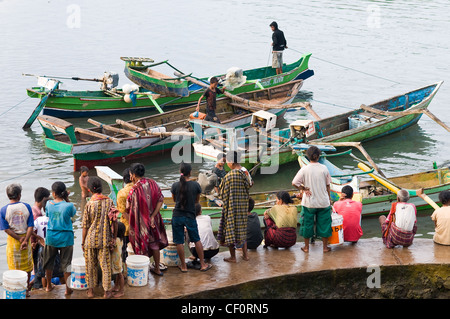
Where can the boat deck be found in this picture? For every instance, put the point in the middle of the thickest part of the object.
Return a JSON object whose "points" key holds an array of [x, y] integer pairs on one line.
{"points": [[240, 280]]}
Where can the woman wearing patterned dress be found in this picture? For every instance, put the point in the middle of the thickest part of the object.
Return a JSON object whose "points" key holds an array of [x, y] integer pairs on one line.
{"points": [[147, 234], [98, 237]]}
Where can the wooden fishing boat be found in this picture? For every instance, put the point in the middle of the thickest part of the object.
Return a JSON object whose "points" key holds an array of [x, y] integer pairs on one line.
{"points": [[271, 147], [105, 143], [68, 104], [377, 197]]}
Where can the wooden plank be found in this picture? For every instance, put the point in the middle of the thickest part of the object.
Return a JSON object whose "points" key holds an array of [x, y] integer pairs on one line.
{"points": [[54, 123], [113, 129], [98, 135]]}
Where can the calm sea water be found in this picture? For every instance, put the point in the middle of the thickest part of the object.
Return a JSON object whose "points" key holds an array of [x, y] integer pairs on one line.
{"points": [[397, 47]]}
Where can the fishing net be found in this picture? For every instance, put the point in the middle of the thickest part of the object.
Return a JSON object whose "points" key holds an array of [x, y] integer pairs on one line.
{"points": [[234, 78]]}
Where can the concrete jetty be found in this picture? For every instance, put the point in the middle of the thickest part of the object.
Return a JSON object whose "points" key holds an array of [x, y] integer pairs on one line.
{"points": [[364, 270]]}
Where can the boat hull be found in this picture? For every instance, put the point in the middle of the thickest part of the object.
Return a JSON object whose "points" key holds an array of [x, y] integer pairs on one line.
{"points": [[72, 104], [111, 153]]}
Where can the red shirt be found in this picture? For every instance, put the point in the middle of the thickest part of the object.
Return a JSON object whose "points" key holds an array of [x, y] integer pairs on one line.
{"points": [[350, 210]]}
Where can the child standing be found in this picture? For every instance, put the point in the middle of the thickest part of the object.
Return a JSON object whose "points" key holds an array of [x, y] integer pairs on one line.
{"points": [[83, 180], [39, 232], [211, 95], [41, 196], [16, 219], [59, 237], [98, 239], [116, 262]]}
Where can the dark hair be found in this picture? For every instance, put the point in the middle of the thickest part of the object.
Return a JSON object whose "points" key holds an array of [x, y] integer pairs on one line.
{"points": [[274, 24], [251, 204], [198, 209], [221, 156], [313, 153], [137, 169], [444, 197], [126, 176], [60, 190], [40, 193], [84, 169], [185, 170], [95, 185], [348, 191], [285, 197], [14, 191], [233, 157], [213, 80], [120, 230]]}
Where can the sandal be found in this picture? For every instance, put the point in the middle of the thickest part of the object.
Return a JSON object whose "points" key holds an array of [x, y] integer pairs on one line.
{"points": [[153, 271], [207, 268]]}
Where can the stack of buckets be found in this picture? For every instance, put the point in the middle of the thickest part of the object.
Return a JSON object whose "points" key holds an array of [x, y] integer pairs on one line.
{"points": [[337, 230], [15, 284]]}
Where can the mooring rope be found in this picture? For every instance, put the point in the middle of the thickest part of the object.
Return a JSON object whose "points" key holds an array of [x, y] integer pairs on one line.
{"points": [[1, 114], [347, 67]]}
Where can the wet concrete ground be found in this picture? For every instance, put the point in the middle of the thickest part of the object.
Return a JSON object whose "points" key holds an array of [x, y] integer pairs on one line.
{"points": [[269, 263]]}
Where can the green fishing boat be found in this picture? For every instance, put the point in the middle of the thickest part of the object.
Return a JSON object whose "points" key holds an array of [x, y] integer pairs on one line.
{"points": [[112, 100], [108, 143], [266, 146]]}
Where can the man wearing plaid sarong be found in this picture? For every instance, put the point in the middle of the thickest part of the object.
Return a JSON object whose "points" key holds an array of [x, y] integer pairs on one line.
{"points": [[400, 226], [234, 192]]}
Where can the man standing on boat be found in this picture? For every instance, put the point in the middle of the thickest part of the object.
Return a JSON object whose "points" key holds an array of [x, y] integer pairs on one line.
{"points": [[279, 43], [210, 95]]}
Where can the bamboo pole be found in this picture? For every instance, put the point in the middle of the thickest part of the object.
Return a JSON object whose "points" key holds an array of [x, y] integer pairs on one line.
{"points": [[154, 134], [98, 135], [308, 107], [113, 129], [422, 110]]}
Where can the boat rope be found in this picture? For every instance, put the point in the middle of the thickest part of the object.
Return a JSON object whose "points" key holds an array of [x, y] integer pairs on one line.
{"points": [[12, 107], [49, 166], [347, 67]]}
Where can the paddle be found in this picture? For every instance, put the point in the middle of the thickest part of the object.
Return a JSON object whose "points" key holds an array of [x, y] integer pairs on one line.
{"points": [[425, 197], [39, 107]]}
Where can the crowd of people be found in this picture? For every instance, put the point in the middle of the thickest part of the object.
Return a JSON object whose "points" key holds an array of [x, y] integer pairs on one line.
{"points": [[41, 238]]}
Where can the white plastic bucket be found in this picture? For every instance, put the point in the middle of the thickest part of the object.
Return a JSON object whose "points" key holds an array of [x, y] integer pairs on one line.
{"points": [[137, 270], [78, 275], [337, 230], [15, 284], [169, 256]]}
